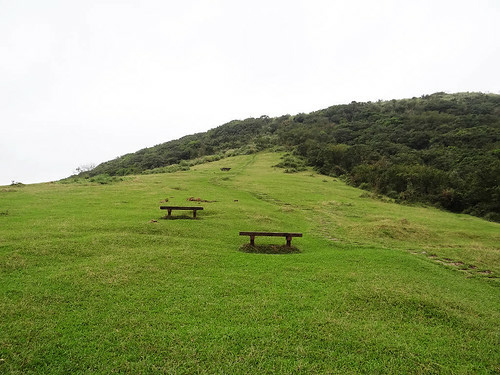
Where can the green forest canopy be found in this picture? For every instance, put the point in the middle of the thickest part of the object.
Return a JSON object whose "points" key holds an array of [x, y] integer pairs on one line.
{"points": [[442, 149]]}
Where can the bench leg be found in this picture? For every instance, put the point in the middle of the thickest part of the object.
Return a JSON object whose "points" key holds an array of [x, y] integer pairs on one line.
{"points": [[194, 214], [288, 241], [252, 240], [169, 212]]}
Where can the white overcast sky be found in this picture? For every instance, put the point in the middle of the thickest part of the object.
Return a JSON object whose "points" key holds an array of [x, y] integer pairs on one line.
{"points": [[86, 81]]}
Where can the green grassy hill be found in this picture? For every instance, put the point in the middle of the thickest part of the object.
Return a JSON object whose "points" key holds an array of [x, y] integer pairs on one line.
{"points": [[90, 283], [440, 149]]}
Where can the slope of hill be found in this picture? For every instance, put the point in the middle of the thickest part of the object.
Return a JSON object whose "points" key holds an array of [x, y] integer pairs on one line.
{"points": [[90, 284], [441, 149]]}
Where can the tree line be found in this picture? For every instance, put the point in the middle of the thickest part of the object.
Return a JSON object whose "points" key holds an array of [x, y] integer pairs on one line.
{"points": [[440, 149]]}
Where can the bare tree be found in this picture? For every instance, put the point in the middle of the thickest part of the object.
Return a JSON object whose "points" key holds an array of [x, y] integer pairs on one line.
{"points": [[85, 168]]}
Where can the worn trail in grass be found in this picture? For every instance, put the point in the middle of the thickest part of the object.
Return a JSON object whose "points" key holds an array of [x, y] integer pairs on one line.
{"points": [[89, 284]]}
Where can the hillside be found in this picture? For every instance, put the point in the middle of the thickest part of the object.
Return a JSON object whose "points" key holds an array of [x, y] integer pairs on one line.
{"points": [[440, 149], [92, 280]]}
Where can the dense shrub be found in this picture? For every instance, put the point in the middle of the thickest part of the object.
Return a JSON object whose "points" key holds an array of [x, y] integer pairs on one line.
{"points": [[442, 149]]}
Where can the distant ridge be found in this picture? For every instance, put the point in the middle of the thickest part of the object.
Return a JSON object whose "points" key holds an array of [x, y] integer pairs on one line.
{"points": [[442, 149]]}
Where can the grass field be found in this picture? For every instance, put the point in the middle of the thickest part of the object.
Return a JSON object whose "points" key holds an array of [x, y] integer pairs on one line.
{"points": [[90, 283]]}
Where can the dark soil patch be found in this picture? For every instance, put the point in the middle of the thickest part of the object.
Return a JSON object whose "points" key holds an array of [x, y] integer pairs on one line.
{"points": [[269, 249], [193, 199], [485, 272], [178, 217]]}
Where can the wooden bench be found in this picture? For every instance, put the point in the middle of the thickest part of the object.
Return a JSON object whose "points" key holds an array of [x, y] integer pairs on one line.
{"points": [[170, 208], [272, 234]]}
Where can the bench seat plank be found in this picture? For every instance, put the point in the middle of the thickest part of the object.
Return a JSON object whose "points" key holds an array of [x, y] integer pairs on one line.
{"points": [[272, 234], [179, 208]]}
